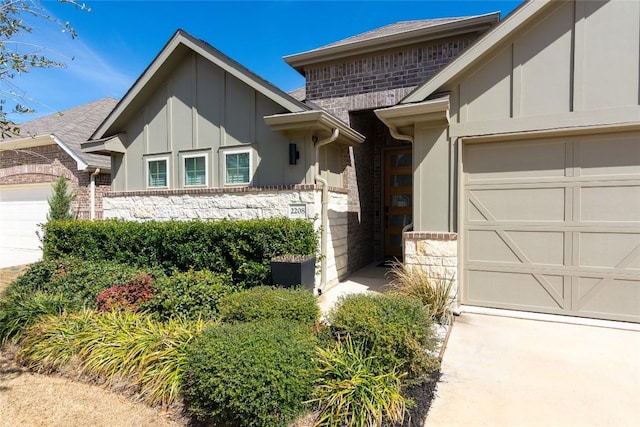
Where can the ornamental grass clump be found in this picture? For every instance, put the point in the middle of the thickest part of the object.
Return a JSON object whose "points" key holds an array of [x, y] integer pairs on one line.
{"points": [[118, 345], [353, 390], [19, 311], [435, 294]]}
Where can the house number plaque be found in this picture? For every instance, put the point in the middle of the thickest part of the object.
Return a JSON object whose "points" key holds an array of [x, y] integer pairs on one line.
{"points": [[298, 211]]}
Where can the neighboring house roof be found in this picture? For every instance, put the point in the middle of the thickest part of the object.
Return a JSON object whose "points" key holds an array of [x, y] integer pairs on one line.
{"points": [[68, 129], [478, 50], [300, 94], [170, 54], [398, 34]]}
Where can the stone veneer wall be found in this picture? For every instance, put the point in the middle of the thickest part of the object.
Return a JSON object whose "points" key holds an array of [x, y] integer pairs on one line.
{"points": [[241, 203], [45, 164], [436, 253]]}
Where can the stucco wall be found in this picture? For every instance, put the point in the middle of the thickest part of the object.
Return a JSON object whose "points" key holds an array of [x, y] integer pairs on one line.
{"points": [[241, 203]]}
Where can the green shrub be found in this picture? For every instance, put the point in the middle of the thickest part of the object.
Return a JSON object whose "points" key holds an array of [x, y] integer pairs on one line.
{"points": [[395, 329], [193, 294], [126, 297], [434, 294], [242, 247], [352, 390], [18, 311], [78, 281], [263, 303], [251, 374], [115, 345]]}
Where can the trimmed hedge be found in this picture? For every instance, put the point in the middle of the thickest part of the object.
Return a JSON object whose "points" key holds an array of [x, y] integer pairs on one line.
{"points": [[264, 303], [242, 247], [395, 329], [251, 374], [191, 295]]}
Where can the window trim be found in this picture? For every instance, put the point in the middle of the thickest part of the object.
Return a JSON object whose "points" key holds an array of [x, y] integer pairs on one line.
{"points": [[249, 151], [149, 159], [183, 169]]}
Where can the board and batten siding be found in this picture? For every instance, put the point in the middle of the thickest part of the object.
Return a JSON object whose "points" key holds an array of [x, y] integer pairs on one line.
{"points": [[576, 64], [199, 107]]}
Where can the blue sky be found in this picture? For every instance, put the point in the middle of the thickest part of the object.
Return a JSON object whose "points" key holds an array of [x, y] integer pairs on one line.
{"points": [[118, 39]]}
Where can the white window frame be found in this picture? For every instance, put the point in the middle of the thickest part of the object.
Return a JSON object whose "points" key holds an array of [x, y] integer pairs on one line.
{"points": [[249, 151], [146, 171], [183, 169]]}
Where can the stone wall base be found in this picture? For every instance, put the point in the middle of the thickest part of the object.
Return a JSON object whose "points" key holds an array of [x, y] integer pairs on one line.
{"points": [[251, 203], [436, 253]]}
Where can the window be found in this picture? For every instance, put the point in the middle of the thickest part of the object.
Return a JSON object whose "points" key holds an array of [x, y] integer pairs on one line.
{"points": [[237, 167], [157, 173], [195, 170]]}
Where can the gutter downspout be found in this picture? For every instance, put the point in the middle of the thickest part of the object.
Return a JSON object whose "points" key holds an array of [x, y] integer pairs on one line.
{"points": [[92, 195], [397, 135], [324, 212]]}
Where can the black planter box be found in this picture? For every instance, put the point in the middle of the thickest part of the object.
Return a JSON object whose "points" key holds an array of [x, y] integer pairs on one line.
{"points": [[289, 273]]}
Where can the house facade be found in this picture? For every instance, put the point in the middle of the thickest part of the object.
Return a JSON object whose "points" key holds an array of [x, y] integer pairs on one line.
{"points": [[47, 148], [527, 162], [199, 136]]}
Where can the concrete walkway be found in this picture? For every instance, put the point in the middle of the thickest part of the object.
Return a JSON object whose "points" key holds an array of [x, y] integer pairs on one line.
{"points": [[369, 279], [501, 371]]}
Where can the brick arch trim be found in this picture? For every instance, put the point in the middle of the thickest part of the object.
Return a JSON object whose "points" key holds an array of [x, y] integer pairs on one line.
{"points": [[54, 171]]}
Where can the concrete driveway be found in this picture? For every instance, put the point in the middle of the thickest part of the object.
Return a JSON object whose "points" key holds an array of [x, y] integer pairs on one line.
{"points": [[501, 371]]}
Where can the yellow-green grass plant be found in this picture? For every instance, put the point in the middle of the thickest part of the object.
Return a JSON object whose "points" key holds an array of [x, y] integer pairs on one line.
{"points": [[114, 346], [352, 390], [434, 293]]}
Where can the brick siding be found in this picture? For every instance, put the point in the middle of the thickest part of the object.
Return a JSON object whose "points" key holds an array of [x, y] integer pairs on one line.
{"points": [[45, 164]]}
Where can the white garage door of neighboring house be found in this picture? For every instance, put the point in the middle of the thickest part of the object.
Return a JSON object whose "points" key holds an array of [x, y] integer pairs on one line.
{"points": [[22, 208], [553, 225]]}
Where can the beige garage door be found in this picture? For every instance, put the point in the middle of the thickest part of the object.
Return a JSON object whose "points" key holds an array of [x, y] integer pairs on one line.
{"points": [[553, 226]]}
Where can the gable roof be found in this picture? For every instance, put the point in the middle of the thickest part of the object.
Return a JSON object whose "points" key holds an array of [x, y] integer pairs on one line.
{"points": [[180, 43], [68, 129], [479, 49], [393, 35]]}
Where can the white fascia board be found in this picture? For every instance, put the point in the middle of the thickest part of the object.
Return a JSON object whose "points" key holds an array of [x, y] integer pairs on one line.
{"points": [[81, 164], [314, 120], [40, 141], [477, 50]]}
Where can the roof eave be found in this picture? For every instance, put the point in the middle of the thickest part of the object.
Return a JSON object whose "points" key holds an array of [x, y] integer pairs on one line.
{"points": [[477, 23], [319, 122], [106, 146], [406, 116]]}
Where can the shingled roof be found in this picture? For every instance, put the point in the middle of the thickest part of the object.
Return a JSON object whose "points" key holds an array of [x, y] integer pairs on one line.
{"points": [[73, 127], [392, 35]]}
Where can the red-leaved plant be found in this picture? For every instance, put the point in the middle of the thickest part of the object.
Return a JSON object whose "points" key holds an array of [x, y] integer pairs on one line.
{"points": [[127, 296]]}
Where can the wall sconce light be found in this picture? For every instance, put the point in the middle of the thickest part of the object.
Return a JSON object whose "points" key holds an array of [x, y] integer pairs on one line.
{"points": [[294, 154]]}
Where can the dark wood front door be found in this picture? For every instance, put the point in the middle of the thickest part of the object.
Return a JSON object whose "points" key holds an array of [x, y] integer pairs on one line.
{"points": [[398, 198]]}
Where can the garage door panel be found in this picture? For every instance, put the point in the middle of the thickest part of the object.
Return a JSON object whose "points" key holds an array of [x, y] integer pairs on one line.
{"points": [[609, 298], [22, 209], [522, 289], [609, 250], [607, 156], [515, 161], [571, 246], [517, 247], [520, 204], [610, 204]]}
